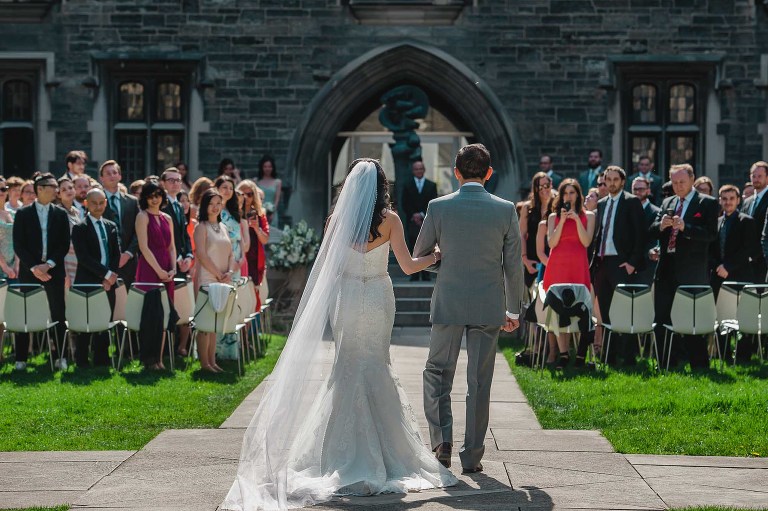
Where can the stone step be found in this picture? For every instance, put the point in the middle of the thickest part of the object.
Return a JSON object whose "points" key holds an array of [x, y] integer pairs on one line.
{"points": [[413, 290], [412, 319], [412, 304]]}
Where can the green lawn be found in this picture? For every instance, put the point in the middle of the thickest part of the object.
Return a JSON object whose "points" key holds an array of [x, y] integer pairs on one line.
{"points": [[639, 411], [104, 410]]}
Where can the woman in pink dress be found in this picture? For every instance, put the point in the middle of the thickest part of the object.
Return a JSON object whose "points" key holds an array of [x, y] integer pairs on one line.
{"points": [[157, 256], [570, 229]]}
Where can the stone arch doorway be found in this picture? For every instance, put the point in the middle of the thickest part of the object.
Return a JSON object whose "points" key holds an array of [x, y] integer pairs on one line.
{"points": [[350, 92]]}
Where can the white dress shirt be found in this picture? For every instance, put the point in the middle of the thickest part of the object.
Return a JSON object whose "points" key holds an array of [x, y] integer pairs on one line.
{"points": [[103, 249], [419, 183], [610, 246], [42, 215], [688, 199]]}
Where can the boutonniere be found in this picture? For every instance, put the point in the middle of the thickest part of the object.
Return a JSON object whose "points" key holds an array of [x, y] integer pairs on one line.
{"points": [[697, 215]]}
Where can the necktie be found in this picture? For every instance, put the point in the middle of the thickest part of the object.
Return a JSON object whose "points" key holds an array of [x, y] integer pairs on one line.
{"points": [[607, 229], [723, 235], [114, 207], [103, 236], [673, 236], [179, 214], [752, 207]]}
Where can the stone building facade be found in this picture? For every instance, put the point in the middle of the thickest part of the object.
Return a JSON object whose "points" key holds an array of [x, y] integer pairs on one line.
{"points": [[147, 82]]}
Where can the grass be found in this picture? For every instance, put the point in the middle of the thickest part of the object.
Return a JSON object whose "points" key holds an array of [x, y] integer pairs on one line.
{"points": [[703, 413], [57, 508], [714, 508], [99, 409]]}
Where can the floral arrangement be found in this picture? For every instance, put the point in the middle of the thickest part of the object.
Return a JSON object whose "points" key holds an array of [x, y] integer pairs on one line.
{"points": [[297, 247]]}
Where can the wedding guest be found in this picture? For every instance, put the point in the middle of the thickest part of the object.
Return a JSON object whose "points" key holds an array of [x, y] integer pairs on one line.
{"points": [[730, 254], [186, 205], [228, 168], [28, 193], [14, 184], [230, 217], [590, 201], [75, 162], [97, 244], [135, 188], [588, 178], [216, 264], [66, 201], [41, 240], [122, 209], [199, 187], [82, 184], [570, 231], [258, 230], [273, 187], [9, 263], [184, 171], [157, 260], [532, 212], [747, 191], [704, 185]]}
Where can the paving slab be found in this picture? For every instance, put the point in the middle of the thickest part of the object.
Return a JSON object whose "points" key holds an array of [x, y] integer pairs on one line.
{"points": [[605, 463], [38, 498], [550, 440], [697, 461], [74, 456]]}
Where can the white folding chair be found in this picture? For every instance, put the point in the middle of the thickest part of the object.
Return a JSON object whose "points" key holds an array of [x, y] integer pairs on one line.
{"points": [[207, 320], [548, 320], [184, 303], [632, 313], [693, 313], [88, 312], [3, 294], [26, 311], [754, 300], [121, 297], [727, 305], [133, 307]]}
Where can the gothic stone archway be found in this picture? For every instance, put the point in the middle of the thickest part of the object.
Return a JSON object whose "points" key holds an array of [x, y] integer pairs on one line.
{"points": [[372, 74]]}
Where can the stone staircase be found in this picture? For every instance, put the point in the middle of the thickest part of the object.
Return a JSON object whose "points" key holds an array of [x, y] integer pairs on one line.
{"points": [[412, 299]]}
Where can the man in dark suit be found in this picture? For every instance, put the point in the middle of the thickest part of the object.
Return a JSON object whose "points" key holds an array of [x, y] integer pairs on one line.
{"points": [[735, 241], [588, 178], [685, 228], [417, 193], [645, 170], [756, 206], [97, 246], [545, 165], [619, 243], [170, 180], [41, 240], [122, 210], [641, 189]]}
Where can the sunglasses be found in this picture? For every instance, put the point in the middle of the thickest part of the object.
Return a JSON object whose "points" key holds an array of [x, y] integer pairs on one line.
{"points": [[601, 185], [157, 195], [248, 194], [545, 185], [3, 189]]}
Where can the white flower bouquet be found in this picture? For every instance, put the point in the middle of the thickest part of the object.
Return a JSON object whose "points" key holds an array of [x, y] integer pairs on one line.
{"points": [[297, 247]]}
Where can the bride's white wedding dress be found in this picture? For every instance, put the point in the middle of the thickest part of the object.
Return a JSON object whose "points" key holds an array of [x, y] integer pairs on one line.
{"points": [[360, 437]]}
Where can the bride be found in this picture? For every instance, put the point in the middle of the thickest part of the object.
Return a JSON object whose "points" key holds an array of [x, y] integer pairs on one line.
{"points": [[334, 419]]}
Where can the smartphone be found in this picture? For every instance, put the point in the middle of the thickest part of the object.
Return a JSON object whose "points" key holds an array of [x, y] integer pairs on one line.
{"points": [[567, 206], [670, 212]]}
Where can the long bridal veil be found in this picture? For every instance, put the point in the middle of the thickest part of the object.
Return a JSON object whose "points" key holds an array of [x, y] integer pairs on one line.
{"points": [[267, 476]]}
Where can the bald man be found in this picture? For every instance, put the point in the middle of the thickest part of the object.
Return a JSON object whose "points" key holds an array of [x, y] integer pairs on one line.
{"points": [[97, 245]]}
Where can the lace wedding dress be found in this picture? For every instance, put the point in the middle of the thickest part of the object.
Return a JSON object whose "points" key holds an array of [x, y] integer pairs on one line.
{"points": [[360, 437]]}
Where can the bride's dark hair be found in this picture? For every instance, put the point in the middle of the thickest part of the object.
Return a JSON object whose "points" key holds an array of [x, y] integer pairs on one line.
{"points": [[382, 195]]}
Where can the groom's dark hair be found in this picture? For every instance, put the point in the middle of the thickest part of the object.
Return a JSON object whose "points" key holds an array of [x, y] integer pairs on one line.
{"points": [[473, 161]]}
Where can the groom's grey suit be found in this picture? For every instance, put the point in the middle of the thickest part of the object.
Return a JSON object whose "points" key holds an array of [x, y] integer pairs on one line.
{"points": [[479, 279]]}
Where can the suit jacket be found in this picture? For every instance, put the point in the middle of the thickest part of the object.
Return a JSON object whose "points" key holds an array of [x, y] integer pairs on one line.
{"points": [[415, 202], [656, 182], [628, 228], [129, 208], [690, 264], [480, 275], [556, 178], [739, 245], [180, 234], [88, 250], [650, 211], [759, 215], [584, 181], [28, 240]]}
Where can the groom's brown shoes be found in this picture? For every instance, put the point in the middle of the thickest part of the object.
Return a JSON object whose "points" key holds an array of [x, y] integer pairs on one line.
{"points": [[478, 468], [443, 454]]}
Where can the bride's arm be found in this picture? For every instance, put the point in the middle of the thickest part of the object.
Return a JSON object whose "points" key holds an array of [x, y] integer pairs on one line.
{"points": [[402, 254]]}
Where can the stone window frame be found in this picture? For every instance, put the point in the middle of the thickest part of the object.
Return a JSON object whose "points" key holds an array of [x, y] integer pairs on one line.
{"points": [[35, 68], [663, 78], [150, 74]]}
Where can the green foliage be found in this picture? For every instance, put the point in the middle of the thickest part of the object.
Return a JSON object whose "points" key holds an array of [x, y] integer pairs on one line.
{"points": [[640, 411], [298, 247], [99, 409]]}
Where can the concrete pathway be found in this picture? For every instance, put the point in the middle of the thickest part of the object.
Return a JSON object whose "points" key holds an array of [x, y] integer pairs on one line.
{"points": [[526, 468]]}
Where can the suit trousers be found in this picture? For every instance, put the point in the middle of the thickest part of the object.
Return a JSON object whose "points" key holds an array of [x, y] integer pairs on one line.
{"points": [[54, 291], [100, 342], [444, 348], [607, 276]]}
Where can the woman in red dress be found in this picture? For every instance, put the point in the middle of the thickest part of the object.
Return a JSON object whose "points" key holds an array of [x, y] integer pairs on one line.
{"points": [[570, 229], [259, 231]]}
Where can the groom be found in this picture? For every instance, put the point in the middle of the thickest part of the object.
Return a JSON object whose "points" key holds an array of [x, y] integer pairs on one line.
{"points": [[478, 292]]}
